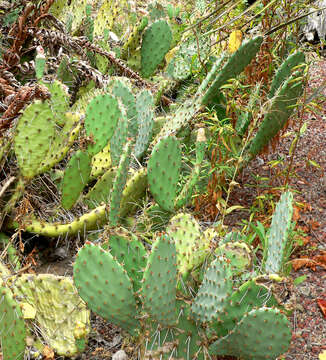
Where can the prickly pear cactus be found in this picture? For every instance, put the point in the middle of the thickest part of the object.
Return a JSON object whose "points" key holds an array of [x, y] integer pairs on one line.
{"points": [[278, 114], [12, 325], [234, 66], [119, 139], [239, 255], [249, 296], [158, 291], [145, 121], [119, 184], [121, 88], [131, 254], [75, 178], [35, 134], [163, 171], [155, 44], [252, 338], [213, 292], [285, 71], [58, 309], [190, 245], [105, 287], [102, 115], [100, 192], [279, 234]]}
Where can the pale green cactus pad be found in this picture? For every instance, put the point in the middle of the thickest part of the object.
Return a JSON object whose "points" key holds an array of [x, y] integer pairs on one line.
{"points": [[59, 309]]}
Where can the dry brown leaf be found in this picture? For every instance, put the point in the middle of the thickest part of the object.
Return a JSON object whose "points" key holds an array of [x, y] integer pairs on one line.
{"points": [[322, 304], [48, 353], [303, 262], [296, 213], [318, 260]]}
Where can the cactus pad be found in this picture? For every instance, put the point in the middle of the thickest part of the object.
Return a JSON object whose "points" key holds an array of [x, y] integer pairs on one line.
{"points": [[191, 247], [278, 114], [279, 232], [12, 325], [234, 66], [262, 334], [156, 43], [158, 291], [285, 70], [214, 291], [100, 192], [104, 285], [145, 111], [76, 177], [131, 254], [163, 171], [102, 115], [35, 133], [58, 309], [119, 184]]}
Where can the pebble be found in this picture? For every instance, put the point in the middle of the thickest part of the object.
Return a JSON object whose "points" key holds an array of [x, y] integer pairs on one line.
{"points": [[120, 355]]}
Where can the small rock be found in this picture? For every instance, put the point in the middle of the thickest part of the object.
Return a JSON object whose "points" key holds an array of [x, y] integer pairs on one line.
{"points": [[120, 355]]}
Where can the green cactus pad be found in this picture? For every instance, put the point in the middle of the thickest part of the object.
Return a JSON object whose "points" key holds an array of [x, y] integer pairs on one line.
{"points": [[249, 296], [102, 115], [58, 309], [75, 178], [145, 111], [59, 100], [285, 70], [121, 88], [214, 291], [158, 291], [119, 139], [118, 184], [185, 62], [12, 325], [279, 233], [183, 115], [131, 254], [191, 247], [100, 192], [64, 138], [163, 171], [35, 134], [185, 195], [182, 341], [278, 114], [156, 43], [106, 288], [234, 66], [262, 334]]}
